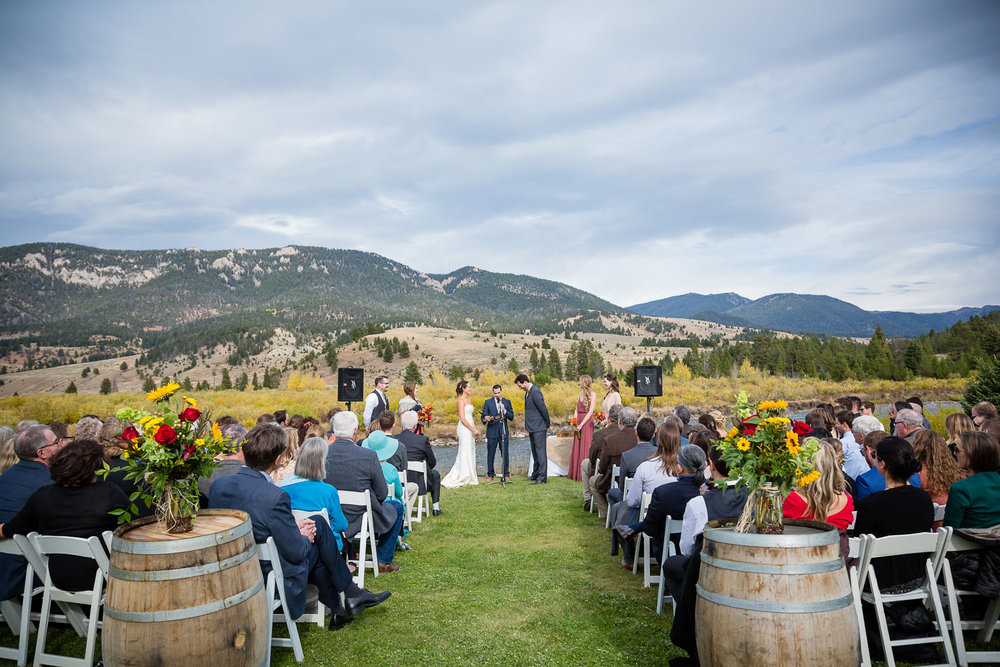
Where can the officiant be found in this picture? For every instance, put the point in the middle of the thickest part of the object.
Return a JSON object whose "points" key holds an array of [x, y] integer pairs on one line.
{"points": [[497, 411]]}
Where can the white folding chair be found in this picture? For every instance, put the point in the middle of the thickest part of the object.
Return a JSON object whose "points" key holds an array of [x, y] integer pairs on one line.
{"points": [[422, 506], [70, 613], [642, 541], [857, 547], [939, 512], [319, 616], [958, 544], [267, 553], [91, 547], [597, 465], [615, 471], [365, 535], [931, 544], [673, 527], [17, 611]]}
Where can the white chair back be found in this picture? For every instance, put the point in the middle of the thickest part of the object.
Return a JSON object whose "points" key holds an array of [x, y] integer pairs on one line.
{"points": [[422, 506], [986, 626], [17, 610], [365, 535], [275, 586]]}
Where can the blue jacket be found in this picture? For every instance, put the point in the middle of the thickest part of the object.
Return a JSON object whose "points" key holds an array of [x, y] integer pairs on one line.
{"points": [[270, 513], [873, 482], [313, 495], [495, 428]]}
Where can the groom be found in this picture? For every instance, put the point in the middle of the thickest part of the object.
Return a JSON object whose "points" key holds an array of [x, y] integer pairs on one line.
{"points": [[536, 423], [496, 413]]}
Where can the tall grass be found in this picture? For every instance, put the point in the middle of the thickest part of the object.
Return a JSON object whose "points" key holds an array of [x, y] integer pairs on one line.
{"points": [[437, 390]]}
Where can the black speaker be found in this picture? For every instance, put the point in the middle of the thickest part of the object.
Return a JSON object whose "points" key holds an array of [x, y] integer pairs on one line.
{"points": [[350, 384], [648, 381]]}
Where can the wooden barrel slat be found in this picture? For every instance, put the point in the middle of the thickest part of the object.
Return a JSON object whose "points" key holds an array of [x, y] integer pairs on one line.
{"points": [[198, 600], [775, 600]]}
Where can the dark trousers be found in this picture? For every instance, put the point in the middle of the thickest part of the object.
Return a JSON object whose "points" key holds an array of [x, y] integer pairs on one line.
{"points": [[538, 455], [387, 541], [491, 452], [433, 481], [327, 569]]}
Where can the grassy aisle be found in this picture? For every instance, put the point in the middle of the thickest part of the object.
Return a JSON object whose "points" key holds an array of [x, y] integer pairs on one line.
{"points": [[520, 576]]}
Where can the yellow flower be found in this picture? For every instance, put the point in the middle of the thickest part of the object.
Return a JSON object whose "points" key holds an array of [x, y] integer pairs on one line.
{"points": [[216, 431], [743, 444], [190, 401], [805, 480], [145, 419], [125, 455], [772, 405], [200, 441], [776, 420], [153, 423], [163, 392], [733, 432]]}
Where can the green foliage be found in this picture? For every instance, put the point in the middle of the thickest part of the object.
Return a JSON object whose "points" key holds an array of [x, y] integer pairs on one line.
{"points": [[124, 366], [148, 384], [555, 368], [330, 355], [456, 373], [985, 386], [70, 388], [241, 382], [226, 382], [512, 366], [412, 373], [85, 372], [106, 386]]}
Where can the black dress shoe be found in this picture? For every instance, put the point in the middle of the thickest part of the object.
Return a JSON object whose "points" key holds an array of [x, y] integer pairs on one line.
{"points": [[364, 600], [436, 512], [537, 481], [337, 621]]}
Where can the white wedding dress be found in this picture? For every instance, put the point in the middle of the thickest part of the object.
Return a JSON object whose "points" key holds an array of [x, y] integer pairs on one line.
{"points": [[464, 471]]}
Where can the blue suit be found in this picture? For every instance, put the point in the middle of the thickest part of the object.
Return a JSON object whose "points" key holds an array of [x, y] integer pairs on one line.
{"points": [[270, 513], [873, 482], [17, 483], [497, 433]]}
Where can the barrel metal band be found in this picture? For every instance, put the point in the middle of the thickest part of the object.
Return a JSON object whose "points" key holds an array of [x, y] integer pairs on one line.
{"points": [[817, 539], [180, 546], [767, 568], [181, 614], [183, 572], [776, 607]]}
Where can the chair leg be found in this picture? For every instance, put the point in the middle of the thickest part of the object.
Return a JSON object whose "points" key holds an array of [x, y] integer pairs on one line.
{"points": [[43, 626], [953, 613], [95, 609], [990, 621], [939, 614], [883, 626], [866, 658]]}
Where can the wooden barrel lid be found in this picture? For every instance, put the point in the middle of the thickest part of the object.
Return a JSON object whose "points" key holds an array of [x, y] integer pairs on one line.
{"points": [[210, 527]]}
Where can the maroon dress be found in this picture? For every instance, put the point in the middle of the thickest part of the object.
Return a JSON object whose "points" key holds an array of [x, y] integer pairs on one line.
{"points": [[581, 445]]}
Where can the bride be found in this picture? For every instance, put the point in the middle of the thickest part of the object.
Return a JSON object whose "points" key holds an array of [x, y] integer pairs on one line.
{"points": [[464, 470]]}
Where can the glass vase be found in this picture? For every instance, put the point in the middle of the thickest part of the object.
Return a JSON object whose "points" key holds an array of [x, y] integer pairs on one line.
{"points": [[178, 506], [768, 517]]}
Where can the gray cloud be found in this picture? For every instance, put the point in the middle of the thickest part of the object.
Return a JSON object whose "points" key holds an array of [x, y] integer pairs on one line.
{"points": [[736, 148]]}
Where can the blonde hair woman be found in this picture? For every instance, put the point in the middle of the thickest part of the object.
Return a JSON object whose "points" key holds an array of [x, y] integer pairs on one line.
{"points": [[7, 455], [586, 402], [824, 499], [286, 464], [955, 425]]}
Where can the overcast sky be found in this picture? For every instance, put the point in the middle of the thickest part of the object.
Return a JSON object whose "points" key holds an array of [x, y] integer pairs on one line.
{"points": [[636, 150]]}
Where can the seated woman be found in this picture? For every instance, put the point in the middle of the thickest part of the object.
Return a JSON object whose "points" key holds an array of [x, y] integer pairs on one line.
{"points": [[939, 469], [899, 510], [955, 425], [849, 484], [309, 492], [825, 499], [974, 502], [669, 500], [76, 505], [286, 466], [658, 470]]}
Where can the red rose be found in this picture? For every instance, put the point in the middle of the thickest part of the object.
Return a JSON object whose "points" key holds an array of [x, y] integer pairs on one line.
{"points": [[801, 428], [165, 435], [130, 434], [188, 450], [189, 414]]}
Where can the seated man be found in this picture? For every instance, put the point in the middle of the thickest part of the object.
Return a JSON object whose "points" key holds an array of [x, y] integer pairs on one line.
{"points": [[353, 468], [418, 448], [384, 423], [307, 548]]}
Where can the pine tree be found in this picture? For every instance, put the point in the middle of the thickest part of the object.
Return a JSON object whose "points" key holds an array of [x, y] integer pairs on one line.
{"points": [[106, 386], [533, 361], [555, 365], [124, 366], [254, 383], [412, 373], [186, 384], [71, 388], [242, 381], [226, 382], [149, 384]]}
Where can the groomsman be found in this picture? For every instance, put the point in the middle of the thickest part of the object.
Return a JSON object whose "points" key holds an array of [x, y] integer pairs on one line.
{"points": [[496, 413], [536, 423], [376, 402]]}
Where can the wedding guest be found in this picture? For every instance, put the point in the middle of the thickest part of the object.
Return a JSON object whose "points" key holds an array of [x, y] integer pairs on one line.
{"points": [[982, 412], [939, 469], [307, 490], [872, 481], [409, 400], [76, 504], [825, 499], [900, 509], [286, 464], [955, 425], [974, 502], [7, 455]]}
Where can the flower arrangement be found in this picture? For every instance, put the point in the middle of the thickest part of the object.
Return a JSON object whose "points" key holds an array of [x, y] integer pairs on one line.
{"points": [[600, 418], [425, 414], [167, 451], [763, 453], [573, 422]]}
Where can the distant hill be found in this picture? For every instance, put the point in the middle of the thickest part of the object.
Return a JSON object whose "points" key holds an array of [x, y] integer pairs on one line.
{"points": [[689, 305], [804, 313]]}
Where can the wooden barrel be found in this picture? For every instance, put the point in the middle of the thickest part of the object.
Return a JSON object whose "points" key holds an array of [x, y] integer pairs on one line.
{"points": [[775, 599], [193, 598]]}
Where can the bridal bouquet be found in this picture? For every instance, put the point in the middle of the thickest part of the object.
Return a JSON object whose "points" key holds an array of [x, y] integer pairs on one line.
{"points": [[573, 422]]}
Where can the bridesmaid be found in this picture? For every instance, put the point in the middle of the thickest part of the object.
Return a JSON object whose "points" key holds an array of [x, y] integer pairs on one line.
{"points": [[613, 397], [585, 404]]}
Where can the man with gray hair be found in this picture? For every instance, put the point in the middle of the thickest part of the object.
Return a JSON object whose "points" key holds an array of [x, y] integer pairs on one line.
{"points": [[611, 455], [596, 444], [35, 445], [87, 428], [418, 448], [683, 413], [230, 464], [908, 422]]}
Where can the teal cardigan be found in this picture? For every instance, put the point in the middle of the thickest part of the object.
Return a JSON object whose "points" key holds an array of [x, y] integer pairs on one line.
{"points": [[974, 502]]}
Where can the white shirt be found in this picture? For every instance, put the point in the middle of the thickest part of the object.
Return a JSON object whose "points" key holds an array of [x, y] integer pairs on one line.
{"points": [[854, 461], [370, 402], [695, 518], [648, 476]]}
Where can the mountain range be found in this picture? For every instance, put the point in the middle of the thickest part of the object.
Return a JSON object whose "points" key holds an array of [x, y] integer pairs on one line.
{"points": [[802, 313]]}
